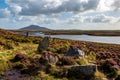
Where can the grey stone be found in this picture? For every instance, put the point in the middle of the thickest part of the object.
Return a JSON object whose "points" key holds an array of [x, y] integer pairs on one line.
{"points": [[75, 52], [44, 44], [87, 70], [48, 57]]}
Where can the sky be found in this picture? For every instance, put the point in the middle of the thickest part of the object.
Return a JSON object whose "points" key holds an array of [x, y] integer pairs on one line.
{"points": [[61, 14]]}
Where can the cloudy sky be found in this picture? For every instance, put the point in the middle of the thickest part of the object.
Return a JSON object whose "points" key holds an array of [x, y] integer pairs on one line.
{"points": [[60, 14]]}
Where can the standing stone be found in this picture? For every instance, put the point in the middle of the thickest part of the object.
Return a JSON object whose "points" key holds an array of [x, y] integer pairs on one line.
{"points": [[44, 44]]}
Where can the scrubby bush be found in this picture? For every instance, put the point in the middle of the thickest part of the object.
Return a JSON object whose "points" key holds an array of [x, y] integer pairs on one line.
{"points": [[52, 50], [82, 61], [107, 55], [99, 76], [9, 46], [25, 40], [3, 66], [118, 77], [108, 67], [19, 57], [31, 70], [18, 39], [67, 61], [19, 65], [36, 41], [64, 48]]}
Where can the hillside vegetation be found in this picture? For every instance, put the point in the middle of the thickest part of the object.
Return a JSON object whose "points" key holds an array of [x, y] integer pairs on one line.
{"points": [[19, 59]]}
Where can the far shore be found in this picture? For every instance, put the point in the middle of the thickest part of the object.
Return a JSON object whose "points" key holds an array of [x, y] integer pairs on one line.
{"points": [[74, 32]]}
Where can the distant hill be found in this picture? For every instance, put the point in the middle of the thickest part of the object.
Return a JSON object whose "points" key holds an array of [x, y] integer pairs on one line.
{"points": [[34, 27]]}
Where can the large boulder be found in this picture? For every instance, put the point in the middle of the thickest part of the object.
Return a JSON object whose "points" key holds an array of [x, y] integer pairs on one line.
{"points": [[82, 72], [48, 57], [75, 52], [44, 44]]}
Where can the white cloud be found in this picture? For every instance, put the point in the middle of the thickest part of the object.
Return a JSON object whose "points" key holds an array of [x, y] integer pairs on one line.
{"points": [[48, 11], [41, 19], [100, 18], [58, 6], [36, 7], [105, 5], [15, 9]]}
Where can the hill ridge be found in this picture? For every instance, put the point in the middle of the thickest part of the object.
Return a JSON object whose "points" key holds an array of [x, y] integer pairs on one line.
{"points": [[34, 27]]}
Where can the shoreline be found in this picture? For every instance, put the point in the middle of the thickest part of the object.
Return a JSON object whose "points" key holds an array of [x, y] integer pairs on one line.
{"points": [[77, 40]]}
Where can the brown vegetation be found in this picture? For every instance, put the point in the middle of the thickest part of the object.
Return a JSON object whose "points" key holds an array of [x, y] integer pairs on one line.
{"points": [[107, 56]]}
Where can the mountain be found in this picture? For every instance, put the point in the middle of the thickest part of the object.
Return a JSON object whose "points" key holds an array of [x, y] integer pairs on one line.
{"points": [[34, 27]]}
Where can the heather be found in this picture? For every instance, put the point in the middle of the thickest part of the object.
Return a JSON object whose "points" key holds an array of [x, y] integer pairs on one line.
{"points": [[21, 57]]}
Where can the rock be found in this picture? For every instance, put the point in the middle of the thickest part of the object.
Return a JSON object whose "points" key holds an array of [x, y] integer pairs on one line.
{"points": [[44, 44], [13, 74], [82, 72], [48, 57], [20, 57], [87, 70], [75, 52]]}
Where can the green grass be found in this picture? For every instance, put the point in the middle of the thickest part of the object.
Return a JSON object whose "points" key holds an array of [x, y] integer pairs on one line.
{"points": [[4, 60], [43, 76], [82, 61], [91, 57], [8, 51], [99, 76]]}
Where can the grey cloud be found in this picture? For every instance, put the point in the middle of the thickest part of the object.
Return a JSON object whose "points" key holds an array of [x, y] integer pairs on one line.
{"points": [[104, 19], [116, 4], [36, 8], [47, 7], [4, 13], [101, 18], [76, 5]]}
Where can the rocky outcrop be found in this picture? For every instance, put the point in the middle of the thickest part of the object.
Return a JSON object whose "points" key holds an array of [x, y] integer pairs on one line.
{"points": [[48, 57], [75, 52], [44, 44], [82, 72], [87, 70]]}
